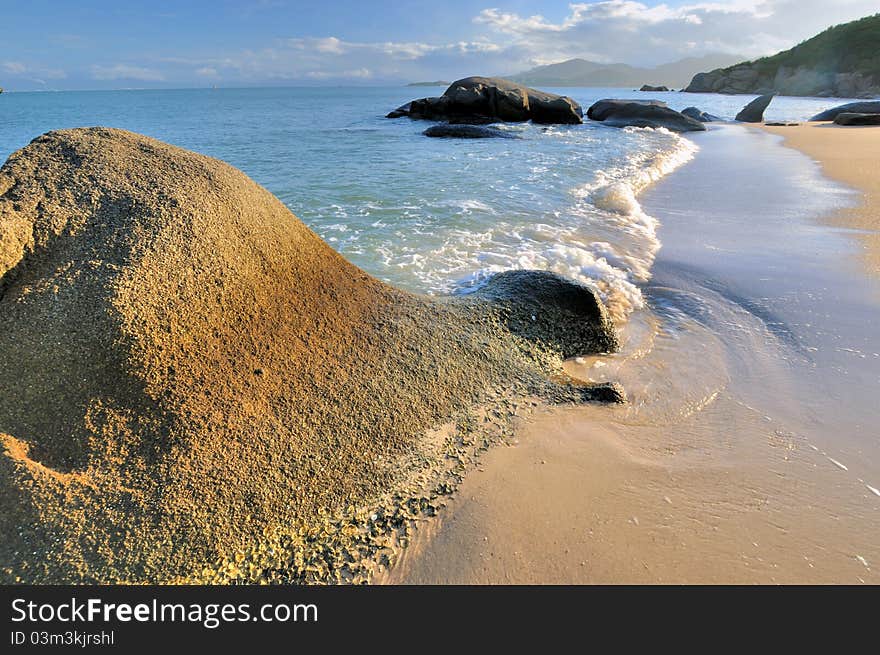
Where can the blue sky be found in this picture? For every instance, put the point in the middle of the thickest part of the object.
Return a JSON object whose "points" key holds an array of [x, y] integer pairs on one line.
{"points": [[120, 44]]}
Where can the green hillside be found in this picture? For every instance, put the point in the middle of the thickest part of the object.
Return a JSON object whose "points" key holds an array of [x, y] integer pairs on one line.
{"points": [[842, 61], [849, 48]]}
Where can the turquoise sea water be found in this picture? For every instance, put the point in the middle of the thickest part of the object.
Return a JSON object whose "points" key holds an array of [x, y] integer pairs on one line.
{"points": [[430, 215]]}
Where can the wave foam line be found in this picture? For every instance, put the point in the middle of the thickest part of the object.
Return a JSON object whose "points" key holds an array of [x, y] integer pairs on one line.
{"points": [[615, 242]]}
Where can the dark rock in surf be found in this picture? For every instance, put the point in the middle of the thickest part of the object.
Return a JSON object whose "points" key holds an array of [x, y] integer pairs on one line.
{"points": [[600, 110], [445, 130], [872, 107], [852, 118], [655, 89], [541, 305], [618, 113], [754, 111], [478, 100], [699, 115]]}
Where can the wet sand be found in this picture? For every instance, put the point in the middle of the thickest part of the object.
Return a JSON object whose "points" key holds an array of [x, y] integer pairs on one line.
{"points": [[579, 501], [749, 451], [850, 155]]}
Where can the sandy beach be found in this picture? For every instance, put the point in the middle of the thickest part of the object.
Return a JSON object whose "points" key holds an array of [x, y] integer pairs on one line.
{"points": [[850, 155], [733, 463]]}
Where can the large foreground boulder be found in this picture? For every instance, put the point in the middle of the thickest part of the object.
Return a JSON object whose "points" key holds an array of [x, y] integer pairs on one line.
{"points": [[185, 368], [870, 107], [620, 113], [852, 118], [492, 99], [754, 111]]}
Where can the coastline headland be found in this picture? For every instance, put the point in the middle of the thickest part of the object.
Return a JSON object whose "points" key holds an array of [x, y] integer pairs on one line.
{"points": [[195, 387]]}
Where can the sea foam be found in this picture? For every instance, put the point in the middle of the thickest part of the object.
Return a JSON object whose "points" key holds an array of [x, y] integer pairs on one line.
{"points": [[606, 240]]}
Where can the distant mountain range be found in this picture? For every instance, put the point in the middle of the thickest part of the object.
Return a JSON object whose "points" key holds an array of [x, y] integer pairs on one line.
{"points": [[843, 61], [580, 72]]}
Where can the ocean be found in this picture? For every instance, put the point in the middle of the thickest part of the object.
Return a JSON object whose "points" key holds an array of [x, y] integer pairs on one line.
{"points": [[429, 215]]}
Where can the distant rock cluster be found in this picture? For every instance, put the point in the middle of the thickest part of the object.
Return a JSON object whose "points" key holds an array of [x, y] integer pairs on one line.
{"points": [[482, 100], [642, 113], [654, 113], [700, 115]]}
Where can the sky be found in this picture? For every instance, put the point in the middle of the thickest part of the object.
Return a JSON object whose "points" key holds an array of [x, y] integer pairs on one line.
{"points": [[111, 44]]}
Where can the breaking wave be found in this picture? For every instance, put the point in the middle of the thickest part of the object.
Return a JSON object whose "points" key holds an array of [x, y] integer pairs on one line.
{"points": [[607, 241]]}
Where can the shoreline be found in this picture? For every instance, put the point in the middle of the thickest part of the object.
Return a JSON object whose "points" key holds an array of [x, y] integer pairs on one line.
{"points": [[725, 483], [847, 155]]}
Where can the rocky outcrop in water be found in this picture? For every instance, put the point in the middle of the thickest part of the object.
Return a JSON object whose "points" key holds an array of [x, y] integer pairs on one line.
{"points": [[602, 109], [626, 113], [542, 304], [194, 386], [850, 118], [656, 89], [478, 100], [699, 115], [871, 107], [754, 111], [451, 131]]}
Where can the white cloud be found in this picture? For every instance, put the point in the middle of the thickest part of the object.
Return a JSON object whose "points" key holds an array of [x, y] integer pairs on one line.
{"points": [[627, 31], [32, 73], [640, 33], [14, 67], [325, 58], [501, 42], [360, 73], [126, 72]]}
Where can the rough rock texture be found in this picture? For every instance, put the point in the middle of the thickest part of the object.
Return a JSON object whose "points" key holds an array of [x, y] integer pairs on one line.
{"points": [[851, 118], [699, 115], [754, 111], [851, 108], [656, 89], [491, 99], [184, 367], [453, 131], [544, 305], [617, 113]]}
